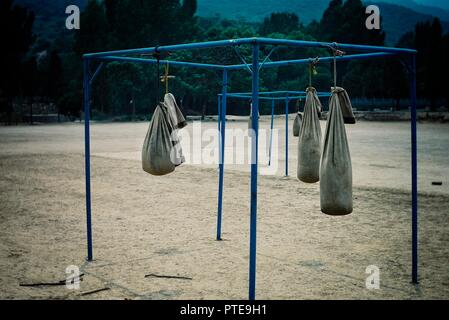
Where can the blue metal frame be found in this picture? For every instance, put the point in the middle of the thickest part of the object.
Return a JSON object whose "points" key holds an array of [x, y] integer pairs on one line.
{"points": [[274, 95], [362, 52], [222, 151], [414, 172], [287, 100], [86, 86], [254, 174], [271, 131]]}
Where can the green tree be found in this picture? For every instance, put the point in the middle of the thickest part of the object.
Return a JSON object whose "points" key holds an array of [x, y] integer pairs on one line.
{"points": [[283, 22], [189, 8], [344, 22], [94, 35], [427, 39], [445, 68], [54, 76], [16, 25]]}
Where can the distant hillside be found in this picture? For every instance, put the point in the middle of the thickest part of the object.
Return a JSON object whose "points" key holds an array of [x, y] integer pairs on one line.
{"points": [[436, 3], [424, 6], [256, 10], [398, 18], [308, 10]]}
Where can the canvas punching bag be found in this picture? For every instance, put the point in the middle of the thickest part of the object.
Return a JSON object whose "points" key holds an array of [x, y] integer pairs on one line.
{"points": [[158, 144], [297, 124], [336, 167], [309, 143], [161, 152]]}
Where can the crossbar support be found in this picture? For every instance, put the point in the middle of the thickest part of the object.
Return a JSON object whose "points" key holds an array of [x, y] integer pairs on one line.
{"points": [[287, 99], [254, 173], [414, 160], [86, 100], [222, 143]]}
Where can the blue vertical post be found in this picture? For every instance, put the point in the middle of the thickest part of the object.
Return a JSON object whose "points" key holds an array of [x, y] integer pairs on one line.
{"points": [[219, 116], [254, 173], [86, 85], [271, 131], [286, 135], [414, 171], [222, 151]]}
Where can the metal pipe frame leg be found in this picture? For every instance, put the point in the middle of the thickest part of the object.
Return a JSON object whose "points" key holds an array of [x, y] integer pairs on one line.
{"points": [[286, 136], [86, 85], [222, 152], [414, 159], [271, 132], [219, 117], [254, 173]]}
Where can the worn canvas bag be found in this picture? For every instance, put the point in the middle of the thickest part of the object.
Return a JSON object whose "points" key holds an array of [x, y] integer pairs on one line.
{"points": [[309, 143], [175, 113], [336, 167], [156, 158], [162, 151], [345, 105], [297, 124], [178, 122]]}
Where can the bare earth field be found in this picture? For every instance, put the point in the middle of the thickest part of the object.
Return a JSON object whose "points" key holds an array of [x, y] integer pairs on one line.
{"points": [[166, 225]]}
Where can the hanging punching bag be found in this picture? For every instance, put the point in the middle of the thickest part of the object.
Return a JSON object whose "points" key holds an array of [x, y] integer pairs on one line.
{"points": [[162, 151], [156, 159], [309, 143], [297, 124], [174, 111], [336, 167], [178, 122], [345, 105]]}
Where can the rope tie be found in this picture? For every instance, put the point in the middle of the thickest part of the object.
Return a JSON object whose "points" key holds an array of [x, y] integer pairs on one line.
{"points": [[335, 71], [157, 56], [336, 53], [166, 77]]}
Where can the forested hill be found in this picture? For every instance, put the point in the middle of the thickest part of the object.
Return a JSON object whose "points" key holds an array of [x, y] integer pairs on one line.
{"points": [[397, 18], [50, 18], [257, 10], [307, 10]]}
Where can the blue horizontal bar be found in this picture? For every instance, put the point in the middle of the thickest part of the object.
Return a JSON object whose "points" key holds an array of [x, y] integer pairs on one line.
{"points": [[302, 95], [265, 98], [342, 46], [272, 92], [284, 93], [173, 48], [172, 63], [243, 41], [361, 56]]}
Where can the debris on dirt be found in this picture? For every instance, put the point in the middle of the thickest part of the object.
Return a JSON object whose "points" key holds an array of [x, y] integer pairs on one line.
{"points": [[94, 291], [48, 284], [152, 275]]}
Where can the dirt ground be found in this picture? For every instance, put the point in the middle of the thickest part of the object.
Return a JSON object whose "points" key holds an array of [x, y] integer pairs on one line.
{"points": [[166, 225]]}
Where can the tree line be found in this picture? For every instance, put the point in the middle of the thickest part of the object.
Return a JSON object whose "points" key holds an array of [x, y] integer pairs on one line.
{"points": [[54, 73]]}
